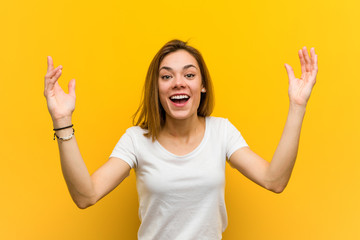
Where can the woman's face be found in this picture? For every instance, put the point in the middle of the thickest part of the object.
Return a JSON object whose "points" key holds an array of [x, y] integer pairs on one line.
{"points": [[180, 85]]}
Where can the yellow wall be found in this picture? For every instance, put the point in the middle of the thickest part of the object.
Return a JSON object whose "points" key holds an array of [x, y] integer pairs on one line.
{"points": [[107, 46]]}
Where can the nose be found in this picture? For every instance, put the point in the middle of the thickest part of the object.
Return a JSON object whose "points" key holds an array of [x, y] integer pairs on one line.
{"points": [[179, 82]]}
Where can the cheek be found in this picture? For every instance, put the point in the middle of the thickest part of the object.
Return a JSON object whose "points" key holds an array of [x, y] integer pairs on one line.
{"points": [[197, 91], [162, 94]]}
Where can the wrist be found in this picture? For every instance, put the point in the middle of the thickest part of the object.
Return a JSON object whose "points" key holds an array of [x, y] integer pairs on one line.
{"points": [[295, 109], [62, 122], [64, 134], [297, 106]]}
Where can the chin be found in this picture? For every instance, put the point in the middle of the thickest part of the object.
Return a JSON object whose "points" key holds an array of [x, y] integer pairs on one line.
{"points": [[180, 116]]}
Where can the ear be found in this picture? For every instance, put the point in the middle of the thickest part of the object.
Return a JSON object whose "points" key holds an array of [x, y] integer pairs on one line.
{"points": [[203, 90]]}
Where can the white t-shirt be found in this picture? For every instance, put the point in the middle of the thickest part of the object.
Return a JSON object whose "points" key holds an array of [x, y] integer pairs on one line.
{"points": [[181, 197]]}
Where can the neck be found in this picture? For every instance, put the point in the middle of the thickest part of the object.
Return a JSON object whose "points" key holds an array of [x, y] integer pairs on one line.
{"points": [[183, 128]]}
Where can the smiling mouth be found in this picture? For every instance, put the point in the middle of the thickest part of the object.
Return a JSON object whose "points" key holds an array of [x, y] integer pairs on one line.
{"points": [[179, 99]]}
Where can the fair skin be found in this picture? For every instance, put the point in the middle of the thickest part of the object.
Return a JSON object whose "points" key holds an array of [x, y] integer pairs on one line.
{"points": [[84, 189], [275, 175], [183, 128], [180, 76]]}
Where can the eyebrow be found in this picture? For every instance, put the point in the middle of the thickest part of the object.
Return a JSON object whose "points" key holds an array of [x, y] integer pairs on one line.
{"points": [[185, 67]]}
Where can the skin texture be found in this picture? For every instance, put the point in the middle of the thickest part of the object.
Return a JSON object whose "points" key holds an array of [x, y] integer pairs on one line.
{"points": [[183, 128]]}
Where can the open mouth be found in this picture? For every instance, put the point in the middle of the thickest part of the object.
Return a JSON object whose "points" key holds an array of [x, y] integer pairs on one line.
{"points": [[179, 99]]}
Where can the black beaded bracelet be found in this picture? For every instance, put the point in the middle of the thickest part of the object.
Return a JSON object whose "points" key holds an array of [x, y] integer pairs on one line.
{"points": [[57, 129]]}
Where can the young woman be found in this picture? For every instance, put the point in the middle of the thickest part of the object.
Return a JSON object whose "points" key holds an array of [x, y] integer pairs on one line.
{"points": [[177, 150]]}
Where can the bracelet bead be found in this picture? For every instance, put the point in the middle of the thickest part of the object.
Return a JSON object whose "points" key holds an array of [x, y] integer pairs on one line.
{"points": [[65, 138]]}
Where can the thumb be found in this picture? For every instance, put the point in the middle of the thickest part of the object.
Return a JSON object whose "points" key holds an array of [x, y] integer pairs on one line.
{"points": [[290, 72], [71, 88]]}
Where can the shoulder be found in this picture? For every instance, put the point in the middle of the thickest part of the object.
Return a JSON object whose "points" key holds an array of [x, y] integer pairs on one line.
{"points": [[137, 134], [217, 122], [132, 137], [136, 131]]}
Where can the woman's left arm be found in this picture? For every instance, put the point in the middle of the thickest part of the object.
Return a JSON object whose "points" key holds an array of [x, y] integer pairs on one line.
{"points": [[274, 176]]}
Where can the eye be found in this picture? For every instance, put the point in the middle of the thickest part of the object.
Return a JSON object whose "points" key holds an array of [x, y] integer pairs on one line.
{"points": [[190, 75], [165, 77]]}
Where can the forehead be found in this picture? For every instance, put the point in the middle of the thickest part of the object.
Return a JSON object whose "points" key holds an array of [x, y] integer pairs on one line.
{"points": [[178, 59]]}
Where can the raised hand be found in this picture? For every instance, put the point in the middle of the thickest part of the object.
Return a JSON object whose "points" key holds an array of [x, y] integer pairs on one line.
{"points": [[300, 88], [60, 104]]}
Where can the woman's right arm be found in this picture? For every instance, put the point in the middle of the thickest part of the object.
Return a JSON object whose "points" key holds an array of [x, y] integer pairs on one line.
{"points": [[84, 189]]}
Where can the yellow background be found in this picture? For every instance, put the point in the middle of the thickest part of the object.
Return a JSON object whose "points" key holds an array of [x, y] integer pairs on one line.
{"points": [[107, 47]]}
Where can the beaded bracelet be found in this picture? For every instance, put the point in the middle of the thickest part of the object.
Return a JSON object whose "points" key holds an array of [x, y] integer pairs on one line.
{"points": [[65, 138]]}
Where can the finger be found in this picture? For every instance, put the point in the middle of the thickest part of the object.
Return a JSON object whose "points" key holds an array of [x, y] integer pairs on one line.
{"points": [[50, 82], [290, 72], [313, 59], [50, 64], [52, 72], [71, 88], [307, 59], [302, 62]]}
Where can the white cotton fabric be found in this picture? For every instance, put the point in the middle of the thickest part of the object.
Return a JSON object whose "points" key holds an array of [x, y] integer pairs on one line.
{"points": [[181, 197]]}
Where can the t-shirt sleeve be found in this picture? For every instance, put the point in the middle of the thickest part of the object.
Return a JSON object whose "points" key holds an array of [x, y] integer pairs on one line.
{"points": [[234, 139], [125, 149]]}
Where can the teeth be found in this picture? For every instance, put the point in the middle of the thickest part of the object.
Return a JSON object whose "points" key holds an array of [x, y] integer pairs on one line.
{"points": [[179, 97]]}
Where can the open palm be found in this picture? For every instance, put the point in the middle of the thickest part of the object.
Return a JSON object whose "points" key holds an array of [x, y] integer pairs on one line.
{"points": [[300, 88], [60, 104]]}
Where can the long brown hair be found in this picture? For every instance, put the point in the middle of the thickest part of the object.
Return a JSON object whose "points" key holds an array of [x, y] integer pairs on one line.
{"points": [[150, 114]]}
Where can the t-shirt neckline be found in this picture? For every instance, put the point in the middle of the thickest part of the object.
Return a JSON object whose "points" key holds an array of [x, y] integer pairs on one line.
{"points": [[193, 152]]}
